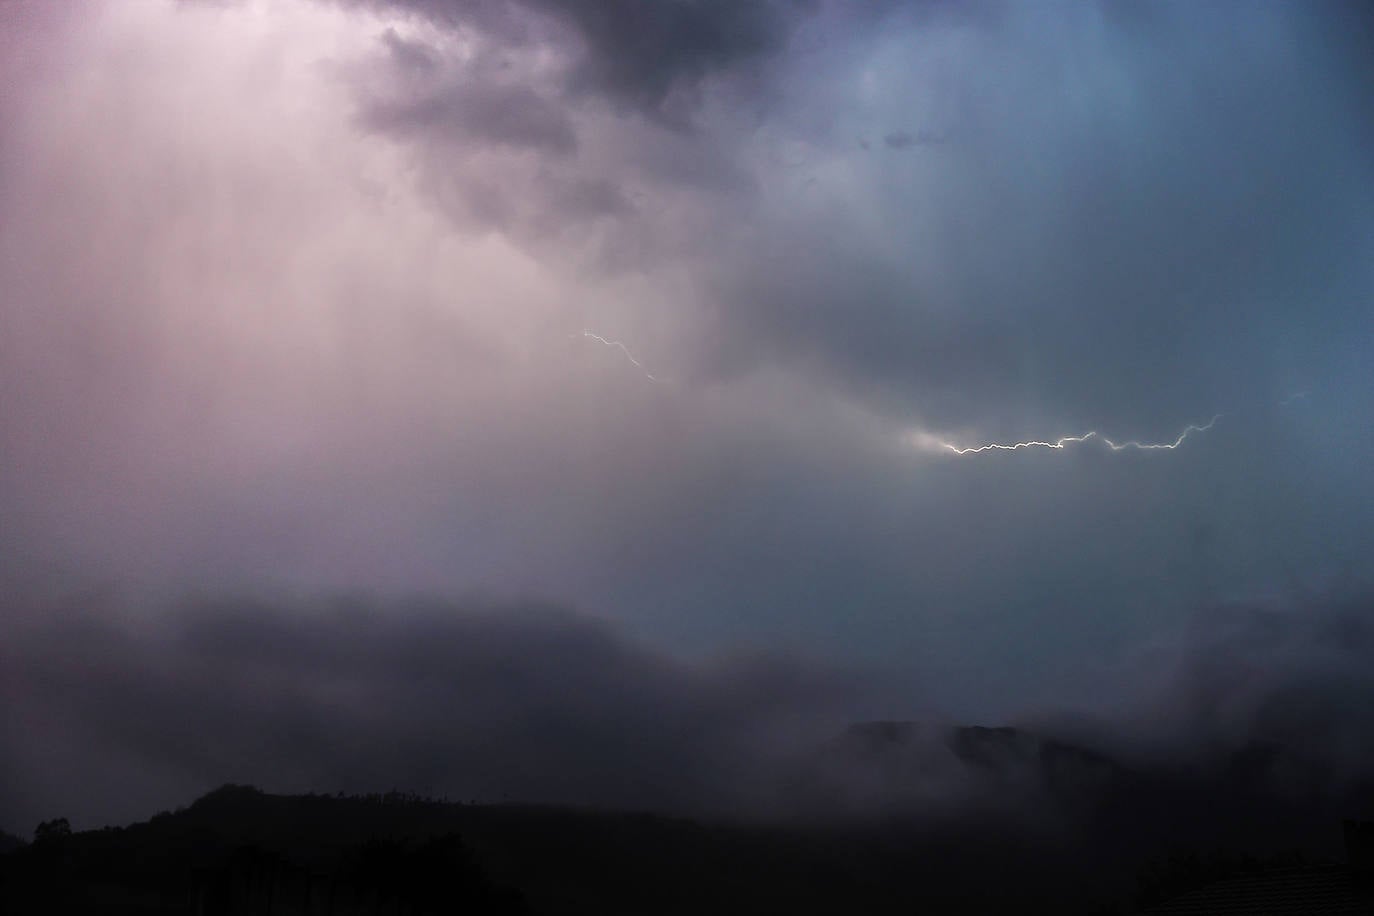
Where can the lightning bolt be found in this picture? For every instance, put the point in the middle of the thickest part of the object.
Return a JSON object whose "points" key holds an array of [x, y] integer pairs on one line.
{"points": [[623, 349], [1034, 443], [1064, 441], [1187, 430]]}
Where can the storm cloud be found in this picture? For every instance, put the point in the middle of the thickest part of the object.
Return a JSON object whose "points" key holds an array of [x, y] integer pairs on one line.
{"points": [[651, 57], [309, 297]]}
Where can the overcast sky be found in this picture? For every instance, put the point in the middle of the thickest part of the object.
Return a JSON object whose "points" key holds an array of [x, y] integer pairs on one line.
{"points": [[672, 315]]}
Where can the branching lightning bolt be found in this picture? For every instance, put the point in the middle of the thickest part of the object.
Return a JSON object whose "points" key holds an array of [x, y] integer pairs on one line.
{"points": [[1187, 430], [625, 350], [1073, 440], [1034, 443]]}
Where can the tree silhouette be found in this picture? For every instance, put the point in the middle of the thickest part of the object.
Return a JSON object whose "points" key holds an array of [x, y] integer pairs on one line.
{"points": [[55, 829]]}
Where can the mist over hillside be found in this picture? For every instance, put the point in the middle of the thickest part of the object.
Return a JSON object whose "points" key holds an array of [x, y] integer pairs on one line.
{"points": [[576, 770], [110, 716]]}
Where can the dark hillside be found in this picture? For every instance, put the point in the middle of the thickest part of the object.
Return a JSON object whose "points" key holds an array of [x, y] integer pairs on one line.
{"points": [[974, 820], [237, 848]]}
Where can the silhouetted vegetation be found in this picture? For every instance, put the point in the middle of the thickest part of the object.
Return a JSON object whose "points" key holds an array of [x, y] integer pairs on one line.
{"points": [[50, 831], [238, 850], [1166, 877]]}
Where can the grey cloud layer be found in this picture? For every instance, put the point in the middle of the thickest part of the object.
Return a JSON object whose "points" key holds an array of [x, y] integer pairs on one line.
{"points": [[1109, 213], [296, 301], [114, 709], [1128, 220], [496, 703], [1133, 218]]}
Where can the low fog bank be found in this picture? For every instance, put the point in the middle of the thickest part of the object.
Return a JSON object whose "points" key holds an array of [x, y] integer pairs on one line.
{"points": [[112, 711], [1252, 729]]}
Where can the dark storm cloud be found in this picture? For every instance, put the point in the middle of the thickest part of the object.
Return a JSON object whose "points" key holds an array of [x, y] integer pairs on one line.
{"points": [[515, 116], [646, 55], [529, 703], [1104, 193], [643, 52], [421, 96], [537, 75], [585, 172]]}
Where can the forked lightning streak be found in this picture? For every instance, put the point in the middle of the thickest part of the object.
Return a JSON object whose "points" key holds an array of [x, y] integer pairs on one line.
{"points": [[1073, 440], [623, 349]]}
